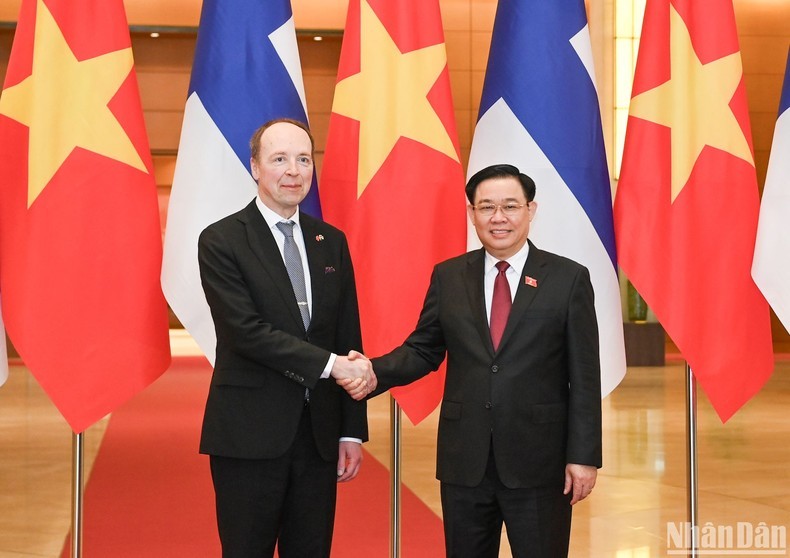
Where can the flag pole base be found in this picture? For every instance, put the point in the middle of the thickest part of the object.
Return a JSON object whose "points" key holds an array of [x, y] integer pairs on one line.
{"points": [[395, 478], [77, 484]]}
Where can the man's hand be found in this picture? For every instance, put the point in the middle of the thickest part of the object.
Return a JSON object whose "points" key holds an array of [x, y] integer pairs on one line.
{"points": [[372, 380], [581, 479], [355, 374], [349, 461]]}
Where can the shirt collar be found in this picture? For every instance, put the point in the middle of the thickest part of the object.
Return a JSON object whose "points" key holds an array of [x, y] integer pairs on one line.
{"points": [[516, 261], [271, 217]]}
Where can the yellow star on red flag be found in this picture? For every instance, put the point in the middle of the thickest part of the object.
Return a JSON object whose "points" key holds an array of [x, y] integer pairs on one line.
{"points": [[80, 232], [694, 103], [687, 164], [65, 101], [389, 97]]}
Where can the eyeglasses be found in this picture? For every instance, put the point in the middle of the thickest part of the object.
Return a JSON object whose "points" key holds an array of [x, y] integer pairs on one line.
{"points": [[509, 208]]}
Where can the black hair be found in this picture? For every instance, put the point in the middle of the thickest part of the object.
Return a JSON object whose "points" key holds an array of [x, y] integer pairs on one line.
{"points": [[500, 171]]}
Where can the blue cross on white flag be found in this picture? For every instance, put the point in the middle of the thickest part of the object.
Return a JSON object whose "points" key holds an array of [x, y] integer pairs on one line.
{"points": [[246, 71], [539, 111], [771, 266]]}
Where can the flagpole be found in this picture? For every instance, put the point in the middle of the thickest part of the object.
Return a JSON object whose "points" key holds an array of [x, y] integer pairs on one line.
{"points": [[77, 483], [691, 458], [395, 477]]}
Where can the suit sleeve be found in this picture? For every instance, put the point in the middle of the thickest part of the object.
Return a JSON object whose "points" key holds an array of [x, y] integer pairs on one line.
{"points": [[240, 326], [421, 353], [584, 403]]}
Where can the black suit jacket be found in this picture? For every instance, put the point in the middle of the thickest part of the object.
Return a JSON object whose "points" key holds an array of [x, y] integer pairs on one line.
{"points": [[537, 398], [265, 358]]}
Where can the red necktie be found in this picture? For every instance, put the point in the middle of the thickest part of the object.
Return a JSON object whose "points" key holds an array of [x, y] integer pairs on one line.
{"points": [[500, 304]]}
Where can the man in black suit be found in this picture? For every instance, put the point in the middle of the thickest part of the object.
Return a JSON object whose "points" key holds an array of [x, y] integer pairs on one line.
{"points": [[279, 431], [519, 435]]}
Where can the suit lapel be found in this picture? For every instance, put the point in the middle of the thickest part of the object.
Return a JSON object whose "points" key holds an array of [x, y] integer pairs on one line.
{"points": [[262, 244], [315, 261], [475, 291], [534, 272]]}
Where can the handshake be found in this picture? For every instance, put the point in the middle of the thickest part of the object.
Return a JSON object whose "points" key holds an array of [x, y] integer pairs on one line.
{"points": [[354, 373]]}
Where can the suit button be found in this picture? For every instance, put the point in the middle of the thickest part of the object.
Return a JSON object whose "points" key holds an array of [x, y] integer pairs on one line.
{"points": [[488, 405], [495, 369]]}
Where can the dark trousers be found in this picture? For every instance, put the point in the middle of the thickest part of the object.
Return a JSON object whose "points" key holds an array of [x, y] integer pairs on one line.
{"points": [[538, 520], [288, 501]]}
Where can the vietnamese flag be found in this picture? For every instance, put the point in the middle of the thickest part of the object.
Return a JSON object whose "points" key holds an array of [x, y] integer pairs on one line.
{"points": [[80, 239], [392, 177], [687, 202]]}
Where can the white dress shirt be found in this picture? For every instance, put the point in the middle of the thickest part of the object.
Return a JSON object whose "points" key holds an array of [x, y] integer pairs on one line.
{"points": [[513, 274], [272, 218]]}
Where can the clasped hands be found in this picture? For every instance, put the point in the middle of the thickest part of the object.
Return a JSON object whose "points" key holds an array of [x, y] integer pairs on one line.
{"points": [[354, 373]]}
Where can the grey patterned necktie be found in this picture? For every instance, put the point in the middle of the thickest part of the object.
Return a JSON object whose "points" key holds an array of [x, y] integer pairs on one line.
{"points": [[293, 263]]}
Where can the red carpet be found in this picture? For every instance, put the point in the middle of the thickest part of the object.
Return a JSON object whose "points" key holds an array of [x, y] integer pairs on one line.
{"points": [[150, 495]]}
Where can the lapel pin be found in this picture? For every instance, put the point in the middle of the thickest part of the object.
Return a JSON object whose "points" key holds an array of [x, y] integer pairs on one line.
{"points": [[319, 237], [531, 281], [329, 269]]}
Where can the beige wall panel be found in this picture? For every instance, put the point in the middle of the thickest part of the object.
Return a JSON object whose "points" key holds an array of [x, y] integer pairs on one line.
{"points": [[601, 14], [456, 15], [319, 90], [459, 55], [464, 123], [483, 12], [319, 66], [319, 125], [320, 57], [164, 168], [755, 17], [308, 14], [162, 91], [319, 162], [5, 52], [320, 14], [9, 10], [763, 92], [763, 17], [764, 55], [761, 166], [164, 129], [481, 45], [163, 70], [767, 122], [761, 157], [478, 78], [170, 52], [179, 13], [158, 12], [464, 162], [461, 84], [763, 128]]}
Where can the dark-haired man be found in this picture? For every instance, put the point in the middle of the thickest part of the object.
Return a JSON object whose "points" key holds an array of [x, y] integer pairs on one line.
{"points": [[520, 425]]}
